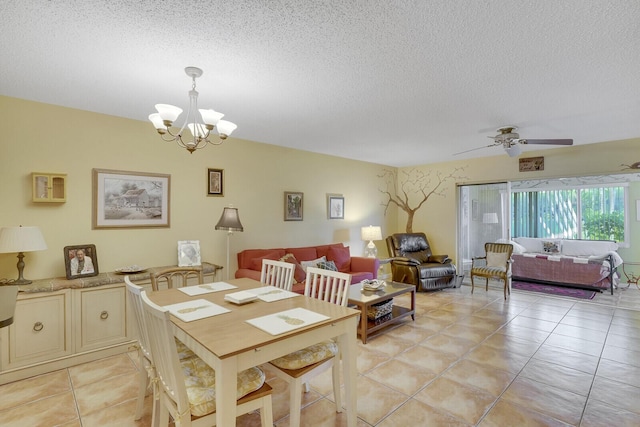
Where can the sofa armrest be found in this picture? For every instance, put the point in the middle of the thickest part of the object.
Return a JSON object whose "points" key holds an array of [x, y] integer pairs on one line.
{"points": [[359, 264]]}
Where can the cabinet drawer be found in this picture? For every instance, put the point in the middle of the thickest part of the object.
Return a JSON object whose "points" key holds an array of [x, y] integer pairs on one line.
{"points": [[41, 330], [101, 317]]}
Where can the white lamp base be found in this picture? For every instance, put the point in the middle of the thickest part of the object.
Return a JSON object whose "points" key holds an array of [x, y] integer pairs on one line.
{"points": [[370, 251]]}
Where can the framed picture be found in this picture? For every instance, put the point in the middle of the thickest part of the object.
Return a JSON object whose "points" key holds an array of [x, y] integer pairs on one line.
{"points": [[80, 261], [189, 253], [130, 199], [335, 207], [530, 164], [215, 182], [293, 206]]}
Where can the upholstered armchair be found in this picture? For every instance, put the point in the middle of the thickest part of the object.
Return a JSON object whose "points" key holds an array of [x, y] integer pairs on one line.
{"points": [[413, 262]]}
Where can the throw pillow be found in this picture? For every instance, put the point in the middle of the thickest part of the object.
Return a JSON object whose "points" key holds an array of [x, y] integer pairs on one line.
{"points": [[327, 265], [256, 263], [298, 273], [312, 263], [341, 257], [550, 246], [496, 259]]}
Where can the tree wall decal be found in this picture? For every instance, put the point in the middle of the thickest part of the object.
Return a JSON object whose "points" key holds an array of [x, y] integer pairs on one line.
{"points": [[399, 189]]}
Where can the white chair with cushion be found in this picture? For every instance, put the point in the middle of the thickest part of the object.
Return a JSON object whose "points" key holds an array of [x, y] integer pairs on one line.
{"points": [[8, 297], [186, 388], [175, 277], [277, 273], [497, 265], [299, 367], [146, 369]]}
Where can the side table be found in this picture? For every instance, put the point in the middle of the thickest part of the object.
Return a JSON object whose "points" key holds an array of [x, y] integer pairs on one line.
{"points": [[363, 299]]}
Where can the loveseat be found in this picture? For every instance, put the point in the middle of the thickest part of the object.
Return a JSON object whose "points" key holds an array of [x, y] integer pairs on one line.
{"points": [[589, 264], [360, 268]]}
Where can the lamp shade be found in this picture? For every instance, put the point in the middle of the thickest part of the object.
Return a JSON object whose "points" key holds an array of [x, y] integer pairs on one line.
{"points": [[371, 233], [229, 220], [21, 239], [490, 218]]}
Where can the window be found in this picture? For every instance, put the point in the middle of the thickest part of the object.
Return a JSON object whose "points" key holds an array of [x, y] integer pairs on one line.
{"points": [[588, 212]]}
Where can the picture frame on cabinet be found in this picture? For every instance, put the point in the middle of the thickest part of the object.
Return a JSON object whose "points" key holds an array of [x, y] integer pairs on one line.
{"points": [[189, 253], [293, 205], [215, 182], [123, 199], [80, 261]]}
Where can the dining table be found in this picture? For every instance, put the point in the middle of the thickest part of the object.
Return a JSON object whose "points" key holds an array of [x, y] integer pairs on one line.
{"points": [[231, 342]]}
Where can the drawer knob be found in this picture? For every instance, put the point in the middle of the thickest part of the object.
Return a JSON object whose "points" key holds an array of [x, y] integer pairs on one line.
{"points": [[38, 326], [104, 315]]}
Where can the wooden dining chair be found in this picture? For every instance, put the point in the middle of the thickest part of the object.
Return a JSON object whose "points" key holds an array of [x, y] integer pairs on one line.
{"points": [[497, 265], [146, 368], [175, 277], [186, 388], [8, 298], [277, 273], [299, 367]]}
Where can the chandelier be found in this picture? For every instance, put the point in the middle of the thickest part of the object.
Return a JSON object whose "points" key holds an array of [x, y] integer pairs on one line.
{"points": [[199, 125]]}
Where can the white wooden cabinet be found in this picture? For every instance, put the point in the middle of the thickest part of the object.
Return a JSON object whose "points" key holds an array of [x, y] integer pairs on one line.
{"points": [[101, 316], [55, 330], [41, 330]]}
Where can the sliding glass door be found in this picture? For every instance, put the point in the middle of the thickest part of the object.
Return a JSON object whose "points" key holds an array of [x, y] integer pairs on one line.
{"points": [[483, 212]]}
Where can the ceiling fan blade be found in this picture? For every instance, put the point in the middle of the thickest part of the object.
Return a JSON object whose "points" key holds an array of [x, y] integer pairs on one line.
{"points": [[474, 149], [547, 141]]}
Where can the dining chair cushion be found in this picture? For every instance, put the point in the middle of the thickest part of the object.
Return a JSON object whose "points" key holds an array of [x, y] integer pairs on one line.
{"points": [[497, 259], [200, 381], [184, 352], [307, 356]]}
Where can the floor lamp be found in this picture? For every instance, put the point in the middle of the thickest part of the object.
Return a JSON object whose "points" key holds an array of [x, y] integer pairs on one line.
{"points": [[230, 221]]}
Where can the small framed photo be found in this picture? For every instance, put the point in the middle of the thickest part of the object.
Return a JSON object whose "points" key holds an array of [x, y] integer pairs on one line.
{"points": [[293, 206], [80, 261], [335, 207], [215, 182], [189, 253]]}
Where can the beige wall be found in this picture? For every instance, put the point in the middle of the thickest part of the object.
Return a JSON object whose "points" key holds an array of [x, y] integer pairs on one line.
{"points": [[439, 215], [44, 138]]}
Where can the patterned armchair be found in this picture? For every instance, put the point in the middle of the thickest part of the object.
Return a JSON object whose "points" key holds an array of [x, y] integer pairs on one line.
{"points": [[413, 262]]}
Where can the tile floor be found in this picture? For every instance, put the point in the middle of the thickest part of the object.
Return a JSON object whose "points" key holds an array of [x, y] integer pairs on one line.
{"points": [[467, 360]]}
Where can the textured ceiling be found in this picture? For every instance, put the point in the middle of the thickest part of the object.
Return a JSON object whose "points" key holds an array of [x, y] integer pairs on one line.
{"points": [[394, 82]]}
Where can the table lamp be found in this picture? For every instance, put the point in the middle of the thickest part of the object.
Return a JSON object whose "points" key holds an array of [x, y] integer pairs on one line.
{"points": [[230, 221], [371, 233], [21, 239]]}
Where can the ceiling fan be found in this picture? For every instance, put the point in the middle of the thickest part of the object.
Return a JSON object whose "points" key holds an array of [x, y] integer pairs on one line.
{"points": [[510, 140]]}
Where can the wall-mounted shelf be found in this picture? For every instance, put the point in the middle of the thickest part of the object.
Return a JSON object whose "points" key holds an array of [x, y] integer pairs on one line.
{"points": [[49, 187]]}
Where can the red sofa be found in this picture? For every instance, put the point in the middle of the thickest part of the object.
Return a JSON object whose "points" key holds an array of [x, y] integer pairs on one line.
{"points": [[360, 268]]}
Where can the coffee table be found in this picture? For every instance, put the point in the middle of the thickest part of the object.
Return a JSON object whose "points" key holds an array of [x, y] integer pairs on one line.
{"points": [[363, 299]]}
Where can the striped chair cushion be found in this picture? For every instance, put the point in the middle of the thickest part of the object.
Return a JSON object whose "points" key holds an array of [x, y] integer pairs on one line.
{"points": [[200, 381], [307, 356], [489, 271]]}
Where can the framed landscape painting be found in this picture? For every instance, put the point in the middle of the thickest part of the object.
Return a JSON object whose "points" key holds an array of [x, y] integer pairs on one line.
{"points": [[293, 206], [130, 199]]}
